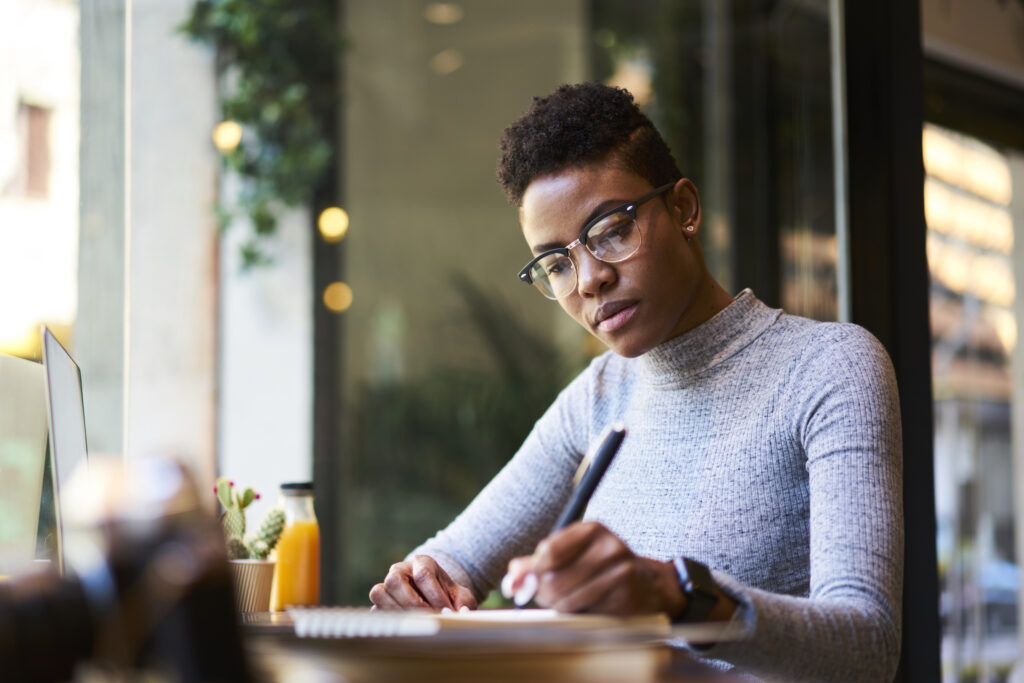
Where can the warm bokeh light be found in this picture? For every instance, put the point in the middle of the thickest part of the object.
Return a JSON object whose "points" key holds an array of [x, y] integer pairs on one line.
{"points": [[227, 135], [967, 193], [338, 297], [25, 343], [333, 224], [446, 62], [1006, 327], [635, 76], [443, 13], [968, 218], [962, 270], [967, 163]]}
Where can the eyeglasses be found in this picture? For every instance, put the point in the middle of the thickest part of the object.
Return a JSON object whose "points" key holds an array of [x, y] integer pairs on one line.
{"points": [[612, 237]]}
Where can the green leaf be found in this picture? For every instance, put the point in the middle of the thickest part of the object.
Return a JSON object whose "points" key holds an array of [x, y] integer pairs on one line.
{"points": [[279, 58]]}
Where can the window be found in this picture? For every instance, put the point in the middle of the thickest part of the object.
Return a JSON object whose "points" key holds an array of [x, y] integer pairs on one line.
{"points": [[31, 176], [449, 359], [970, 207]]}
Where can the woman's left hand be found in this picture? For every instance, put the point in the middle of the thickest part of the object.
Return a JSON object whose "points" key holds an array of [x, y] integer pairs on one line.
{"points": [[586, 568]]}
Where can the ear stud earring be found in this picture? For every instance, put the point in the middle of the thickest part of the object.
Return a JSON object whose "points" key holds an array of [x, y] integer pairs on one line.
{"points": [[690, 228]]}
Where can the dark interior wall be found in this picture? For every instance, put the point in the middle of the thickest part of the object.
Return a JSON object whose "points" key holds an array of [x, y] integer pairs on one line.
{"points": [[889, 275]]}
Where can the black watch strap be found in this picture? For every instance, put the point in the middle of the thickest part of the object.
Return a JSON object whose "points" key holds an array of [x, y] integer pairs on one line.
{"points": [[700, 589]]}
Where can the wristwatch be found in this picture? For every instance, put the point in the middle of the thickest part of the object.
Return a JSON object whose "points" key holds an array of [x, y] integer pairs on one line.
{"points": [[700, 589]]}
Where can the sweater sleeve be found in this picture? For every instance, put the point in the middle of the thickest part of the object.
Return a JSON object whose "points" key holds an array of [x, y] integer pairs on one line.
{"points": [[519, 506], [846, 411]]}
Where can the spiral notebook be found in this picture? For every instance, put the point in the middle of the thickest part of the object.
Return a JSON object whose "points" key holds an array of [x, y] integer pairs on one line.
{"points": [[482, 625], [355, 622]]}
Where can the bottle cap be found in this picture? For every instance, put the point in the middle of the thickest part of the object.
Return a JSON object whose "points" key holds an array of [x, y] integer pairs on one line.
{"points": [[297, 487]]}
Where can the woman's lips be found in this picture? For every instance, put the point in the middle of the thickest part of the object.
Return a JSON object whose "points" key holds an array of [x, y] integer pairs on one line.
{"points": [[618, 318]]}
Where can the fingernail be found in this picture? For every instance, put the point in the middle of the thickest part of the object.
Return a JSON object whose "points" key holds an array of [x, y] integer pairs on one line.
{"points": [[464, 608], [446, 610], [506, 586], [527, 590]]}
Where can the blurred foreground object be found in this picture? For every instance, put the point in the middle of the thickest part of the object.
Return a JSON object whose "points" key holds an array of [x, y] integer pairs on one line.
{"points": [[147, 589]]}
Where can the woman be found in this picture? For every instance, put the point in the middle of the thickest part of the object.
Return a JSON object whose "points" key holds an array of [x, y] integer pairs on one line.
{"points": [[761, 478]]}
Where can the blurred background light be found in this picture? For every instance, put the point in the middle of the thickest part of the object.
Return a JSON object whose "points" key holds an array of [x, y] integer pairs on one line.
{"points": [[443, 13], [446, 62], [635, 74], [338, 297], [968, 218], [227, 135], [967, 163], [333, 224]]}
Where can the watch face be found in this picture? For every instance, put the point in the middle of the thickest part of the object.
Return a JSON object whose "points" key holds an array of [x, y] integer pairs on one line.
{"points": [[699, 588]]}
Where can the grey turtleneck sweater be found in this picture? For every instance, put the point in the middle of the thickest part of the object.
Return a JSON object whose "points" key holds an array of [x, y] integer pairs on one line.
{"points": [[766, 446]]}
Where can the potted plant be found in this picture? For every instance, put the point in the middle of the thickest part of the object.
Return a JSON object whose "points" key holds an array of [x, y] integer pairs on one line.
{"points": [[252, 571]]}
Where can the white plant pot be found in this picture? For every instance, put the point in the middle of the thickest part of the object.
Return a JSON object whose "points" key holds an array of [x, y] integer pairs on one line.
{"points": [[252, 580]]}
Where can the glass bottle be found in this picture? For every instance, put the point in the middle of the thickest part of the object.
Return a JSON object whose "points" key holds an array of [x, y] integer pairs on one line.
{"points": [[297, 569]]}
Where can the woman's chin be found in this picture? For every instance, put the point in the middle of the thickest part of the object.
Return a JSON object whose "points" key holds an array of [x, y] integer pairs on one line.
{"points": [[627, 346]]}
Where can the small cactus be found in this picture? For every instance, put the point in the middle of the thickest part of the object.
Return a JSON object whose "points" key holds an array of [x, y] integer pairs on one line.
{"points": [[258, 549], [237, 549], [234, 502], [267, 534]]}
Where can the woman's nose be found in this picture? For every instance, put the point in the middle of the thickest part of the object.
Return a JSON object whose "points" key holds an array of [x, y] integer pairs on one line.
{"points": [[592, 274]]}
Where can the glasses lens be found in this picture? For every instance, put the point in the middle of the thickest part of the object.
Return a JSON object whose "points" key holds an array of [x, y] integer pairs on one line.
{"points": [[614, 238], [554, 275]]}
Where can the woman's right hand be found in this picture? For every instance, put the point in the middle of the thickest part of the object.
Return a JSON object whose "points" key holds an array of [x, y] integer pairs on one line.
{"points": [[420, 583]]}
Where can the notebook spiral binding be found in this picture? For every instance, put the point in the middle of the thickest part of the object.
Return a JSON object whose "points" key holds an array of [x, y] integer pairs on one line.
{"points": [[354, 622]]}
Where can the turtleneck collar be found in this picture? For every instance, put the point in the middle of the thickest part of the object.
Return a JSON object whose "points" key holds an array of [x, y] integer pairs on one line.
{"points": [[711, 342]]}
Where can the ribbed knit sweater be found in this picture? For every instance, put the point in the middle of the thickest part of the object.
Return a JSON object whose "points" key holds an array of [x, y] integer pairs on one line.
{"points": [[765, 445]]}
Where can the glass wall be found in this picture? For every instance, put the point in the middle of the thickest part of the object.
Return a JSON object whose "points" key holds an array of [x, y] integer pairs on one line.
{"points": [[449, 358], [972, 198]]}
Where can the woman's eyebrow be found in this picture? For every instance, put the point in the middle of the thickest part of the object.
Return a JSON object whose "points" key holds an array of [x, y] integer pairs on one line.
{"points": [[548, 246], [598, 210], [602, 207]]}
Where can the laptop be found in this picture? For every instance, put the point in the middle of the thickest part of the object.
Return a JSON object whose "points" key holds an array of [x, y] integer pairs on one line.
{"points": [[65, 412], [22, 460]]}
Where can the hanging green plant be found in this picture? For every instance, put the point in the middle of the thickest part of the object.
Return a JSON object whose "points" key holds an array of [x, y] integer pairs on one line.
{"points": [[278, 95]]}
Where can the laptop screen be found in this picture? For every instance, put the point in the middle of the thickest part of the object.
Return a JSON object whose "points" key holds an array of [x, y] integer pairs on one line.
{"points": [[22, 452], [66, 414]]}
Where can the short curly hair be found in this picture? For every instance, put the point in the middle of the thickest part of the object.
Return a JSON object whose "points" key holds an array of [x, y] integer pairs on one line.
{"points": [[580, 124]]}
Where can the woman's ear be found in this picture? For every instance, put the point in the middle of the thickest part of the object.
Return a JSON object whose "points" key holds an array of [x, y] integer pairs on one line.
{"points": [[686, 206]]}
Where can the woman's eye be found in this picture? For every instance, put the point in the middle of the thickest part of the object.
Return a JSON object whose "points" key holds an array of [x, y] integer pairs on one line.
{"points": [[614, 229], [555, 268]]}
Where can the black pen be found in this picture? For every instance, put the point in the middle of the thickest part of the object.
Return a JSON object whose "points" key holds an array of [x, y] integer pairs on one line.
{"points": [[573, 512]]}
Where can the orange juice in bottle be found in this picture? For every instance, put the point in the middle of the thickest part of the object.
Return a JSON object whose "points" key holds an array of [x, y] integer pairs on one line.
{"points": [[297, 569]]}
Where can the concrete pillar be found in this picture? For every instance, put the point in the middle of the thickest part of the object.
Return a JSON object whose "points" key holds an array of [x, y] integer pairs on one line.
{"points": [[173, 240], [148, 263], [99, 328]]}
